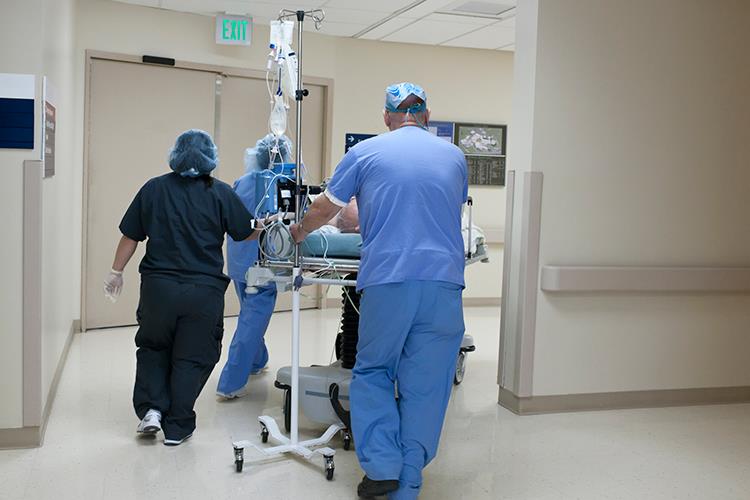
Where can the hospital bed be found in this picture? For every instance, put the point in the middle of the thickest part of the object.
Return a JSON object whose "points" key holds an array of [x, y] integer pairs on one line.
{"points": [[333, 259]]}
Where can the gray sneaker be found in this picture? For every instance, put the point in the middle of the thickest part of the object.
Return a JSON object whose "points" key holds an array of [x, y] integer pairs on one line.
{"points": [[176, 442], [151, 423]]}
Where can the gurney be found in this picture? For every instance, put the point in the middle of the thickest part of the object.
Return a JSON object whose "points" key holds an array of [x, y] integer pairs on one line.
{"points": [[334, 260]]}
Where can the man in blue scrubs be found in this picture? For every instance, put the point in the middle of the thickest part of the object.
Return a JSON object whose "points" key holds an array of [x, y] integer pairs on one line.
{"points": [[248, 353], [410, 187]]}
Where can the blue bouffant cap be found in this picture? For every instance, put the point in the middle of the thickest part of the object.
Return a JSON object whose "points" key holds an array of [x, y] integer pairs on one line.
{"points": [[266, 156], [194, 154], [398, 92]]}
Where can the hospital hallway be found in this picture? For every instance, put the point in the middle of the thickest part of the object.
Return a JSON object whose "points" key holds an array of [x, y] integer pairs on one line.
{"points": [[91, 450]]}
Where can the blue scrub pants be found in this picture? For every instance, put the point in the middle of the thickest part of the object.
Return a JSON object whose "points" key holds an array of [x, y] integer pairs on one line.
{"points": [[247, 352], [409, 333]]}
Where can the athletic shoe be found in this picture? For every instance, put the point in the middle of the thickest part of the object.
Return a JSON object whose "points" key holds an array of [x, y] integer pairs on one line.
{"points": [[151, 423], [231, 395], [260, 370], [176, 442], [369, 488]]}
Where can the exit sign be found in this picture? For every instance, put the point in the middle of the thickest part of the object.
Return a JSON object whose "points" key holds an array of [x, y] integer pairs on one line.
{"points": [[234, 30]]}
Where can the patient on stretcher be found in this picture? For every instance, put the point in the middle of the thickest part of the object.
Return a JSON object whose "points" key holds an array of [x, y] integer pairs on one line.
{"points": [[346, 221], [340, 237]]}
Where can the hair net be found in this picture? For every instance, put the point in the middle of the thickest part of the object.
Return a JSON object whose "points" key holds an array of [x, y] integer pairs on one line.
{"points": [[265, 154], [398, 92], [193, 154]]}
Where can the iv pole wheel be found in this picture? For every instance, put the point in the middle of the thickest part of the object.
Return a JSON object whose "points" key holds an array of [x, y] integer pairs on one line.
{"points": [[263, 433], [347, 439], [460, 368], [239, 459], [287, 409], [330, 468]]}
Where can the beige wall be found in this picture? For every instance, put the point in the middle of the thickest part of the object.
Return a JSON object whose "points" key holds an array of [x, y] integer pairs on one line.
{"points": [[11, 199], [52, 55], [61, 254], [640, 128], [361, 71]]}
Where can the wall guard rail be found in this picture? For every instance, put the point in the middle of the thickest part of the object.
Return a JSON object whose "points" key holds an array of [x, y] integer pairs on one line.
{"points": [[645, 279]]}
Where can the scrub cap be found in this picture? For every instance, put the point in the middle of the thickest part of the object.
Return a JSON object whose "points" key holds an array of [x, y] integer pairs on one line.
{"points": [[398, 92], [193, 154], [265, 156]]}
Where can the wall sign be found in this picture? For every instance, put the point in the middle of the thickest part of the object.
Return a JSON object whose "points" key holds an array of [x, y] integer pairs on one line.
{"points": [[17, 111], [485, 149], [354, 139], [444, 130], [234, 30], [50, 124]]}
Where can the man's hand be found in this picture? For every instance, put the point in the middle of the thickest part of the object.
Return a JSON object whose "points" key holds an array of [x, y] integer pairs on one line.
{"points": [[298, 233]]}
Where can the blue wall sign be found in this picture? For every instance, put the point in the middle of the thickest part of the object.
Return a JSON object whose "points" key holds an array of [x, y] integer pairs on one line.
{"points": [[354, 139], [444, 130]]}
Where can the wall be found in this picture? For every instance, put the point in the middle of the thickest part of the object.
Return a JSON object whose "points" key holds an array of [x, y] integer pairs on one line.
{"points": [[361, 70], [52, 55], [11, 200], [640, 127], [61, 277]]}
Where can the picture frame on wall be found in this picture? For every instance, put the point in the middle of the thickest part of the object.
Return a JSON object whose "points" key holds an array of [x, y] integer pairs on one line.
{"points": [[485, 148]]}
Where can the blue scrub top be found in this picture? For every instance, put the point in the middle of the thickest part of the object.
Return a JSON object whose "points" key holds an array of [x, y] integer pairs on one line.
{"points": [[243, 254], [410, 186]]}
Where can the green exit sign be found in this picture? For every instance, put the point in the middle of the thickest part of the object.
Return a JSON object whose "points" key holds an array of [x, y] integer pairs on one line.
{"points": [[234, 30]]}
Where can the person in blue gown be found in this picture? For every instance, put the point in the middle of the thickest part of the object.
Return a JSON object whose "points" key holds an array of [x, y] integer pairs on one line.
{"points": [[248, 353]]}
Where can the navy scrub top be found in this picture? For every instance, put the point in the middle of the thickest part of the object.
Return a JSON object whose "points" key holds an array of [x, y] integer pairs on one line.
{"points": [[185, 220]]}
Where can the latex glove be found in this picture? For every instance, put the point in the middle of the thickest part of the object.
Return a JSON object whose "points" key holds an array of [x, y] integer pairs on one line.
{"points": [[113, 285]]}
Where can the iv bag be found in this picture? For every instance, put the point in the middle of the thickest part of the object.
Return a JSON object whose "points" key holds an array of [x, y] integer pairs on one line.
{"points": [[281, 33], [289, 74], [278, 116]]}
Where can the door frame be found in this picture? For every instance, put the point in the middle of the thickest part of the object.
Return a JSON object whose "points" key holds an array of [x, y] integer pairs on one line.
{"points": [[91, 55]]}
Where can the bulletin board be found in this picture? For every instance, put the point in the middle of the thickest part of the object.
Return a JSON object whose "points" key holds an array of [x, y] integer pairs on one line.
{"points": [[485, 148]]}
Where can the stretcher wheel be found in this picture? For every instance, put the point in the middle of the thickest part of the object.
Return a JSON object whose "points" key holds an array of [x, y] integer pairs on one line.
{"points": [[239, 459], [288, 410], [458, 377], [263, 433], [329, 468]]}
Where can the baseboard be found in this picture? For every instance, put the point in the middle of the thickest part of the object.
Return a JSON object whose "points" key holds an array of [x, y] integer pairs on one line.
{"points": [[335, 302], [622, 400], [32, 437], [481, 301], [330, 303], [22, 437]]}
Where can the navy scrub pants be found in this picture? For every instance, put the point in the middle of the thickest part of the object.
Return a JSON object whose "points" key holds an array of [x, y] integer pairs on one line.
{"points": [[179, 343], [409, 337]]}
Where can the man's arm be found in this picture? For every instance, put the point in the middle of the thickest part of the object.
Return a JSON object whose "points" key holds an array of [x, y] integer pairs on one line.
{"points": [[320, 212]]}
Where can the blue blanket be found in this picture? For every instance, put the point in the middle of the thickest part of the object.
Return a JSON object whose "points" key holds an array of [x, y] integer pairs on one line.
{"points": [[342, 245]]}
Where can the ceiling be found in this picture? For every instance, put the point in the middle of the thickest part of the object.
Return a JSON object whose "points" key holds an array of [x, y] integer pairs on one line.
{"points": [[480, 24]]}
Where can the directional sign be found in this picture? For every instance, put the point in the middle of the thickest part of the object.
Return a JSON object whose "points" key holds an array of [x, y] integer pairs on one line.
{"points": [[354, 139]]}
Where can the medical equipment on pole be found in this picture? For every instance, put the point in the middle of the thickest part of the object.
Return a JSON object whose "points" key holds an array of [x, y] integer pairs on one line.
{"points": [[289, 71]]}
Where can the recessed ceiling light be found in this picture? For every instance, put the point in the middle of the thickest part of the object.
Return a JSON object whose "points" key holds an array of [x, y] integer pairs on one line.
{"points": [[482, 8]]}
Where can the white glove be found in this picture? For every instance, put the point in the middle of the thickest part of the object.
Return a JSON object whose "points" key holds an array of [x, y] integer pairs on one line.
{"points": [[113, 285]]}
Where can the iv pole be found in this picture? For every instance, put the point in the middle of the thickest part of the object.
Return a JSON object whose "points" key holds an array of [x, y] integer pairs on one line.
{"points": [[269, 427]]}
